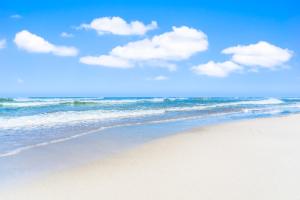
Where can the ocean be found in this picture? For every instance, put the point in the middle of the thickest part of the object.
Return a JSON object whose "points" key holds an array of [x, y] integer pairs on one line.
{"points": [[28, 123]]}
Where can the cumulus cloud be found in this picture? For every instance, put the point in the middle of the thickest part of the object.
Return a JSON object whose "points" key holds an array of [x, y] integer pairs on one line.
{"points": [[118, 26], [36, 44], [179, 44], [261, 54], [216, 69], [66, 35], [2, 43], [253, 56]]}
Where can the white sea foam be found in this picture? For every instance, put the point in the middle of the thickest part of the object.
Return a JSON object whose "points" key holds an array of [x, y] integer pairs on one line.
{"points": [[177, 98], [187, 108], [265, 102], [28, 104], [34, 102], [123, 101], [293, 98], [70, 117], [40, 102], [269, 101]]}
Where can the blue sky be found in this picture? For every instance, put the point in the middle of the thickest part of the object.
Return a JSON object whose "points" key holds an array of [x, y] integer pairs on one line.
{"points": [[218, 54]]}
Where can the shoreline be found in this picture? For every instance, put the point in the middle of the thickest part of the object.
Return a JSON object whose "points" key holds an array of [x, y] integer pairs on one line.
{"points": [[246, 159]]}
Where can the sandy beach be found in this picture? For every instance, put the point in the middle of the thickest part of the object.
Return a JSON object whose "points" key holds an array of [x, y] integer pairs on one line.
{"points": [[251, 159]]}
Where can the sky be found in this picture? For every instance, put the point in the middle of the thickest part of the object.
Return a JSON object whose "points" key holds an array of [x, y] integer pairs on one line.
{"points": [[149, 48]]}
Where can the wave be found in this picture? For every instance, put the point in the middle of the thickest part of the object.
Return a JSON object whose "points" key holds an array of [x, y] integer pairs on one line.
{"points": [[292, 98], [35, 102], [187, 108], [65, 117], [70, 117], [27, 104], [263, 110], [124, 101], [269, 101], [73, 117], [43, 102], [6, 99], [176, 98]]}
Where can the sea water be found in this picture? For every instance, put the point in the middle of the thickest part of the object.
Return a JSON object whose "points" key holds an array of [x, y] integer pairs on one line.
{"points": [[28, 123]]}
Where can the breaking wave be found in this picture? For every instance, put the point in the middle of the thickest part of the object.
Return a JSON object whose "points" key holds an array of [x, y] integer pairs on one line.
{"points": [[70, 117]]}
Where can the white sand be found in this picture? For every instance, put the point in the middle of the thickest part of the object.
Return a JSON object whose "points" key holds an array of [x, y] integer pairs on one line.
{"points": [[256, 160]]}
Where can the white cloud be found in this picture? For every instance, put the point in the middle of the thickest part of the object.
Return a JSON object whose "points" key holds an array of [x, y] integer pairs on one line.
{"points": [[2, 43], [159, 78], [107, 61], [36, 44], [253, 56], [118, 26], [66, 35], [16, 16], [216, 69], [179, 44], [261, 54]]}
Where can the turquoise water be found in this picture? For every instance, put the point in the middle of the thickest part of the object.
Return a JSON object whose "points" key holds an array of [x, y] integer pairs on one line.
{"points": [[27, 123]]}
